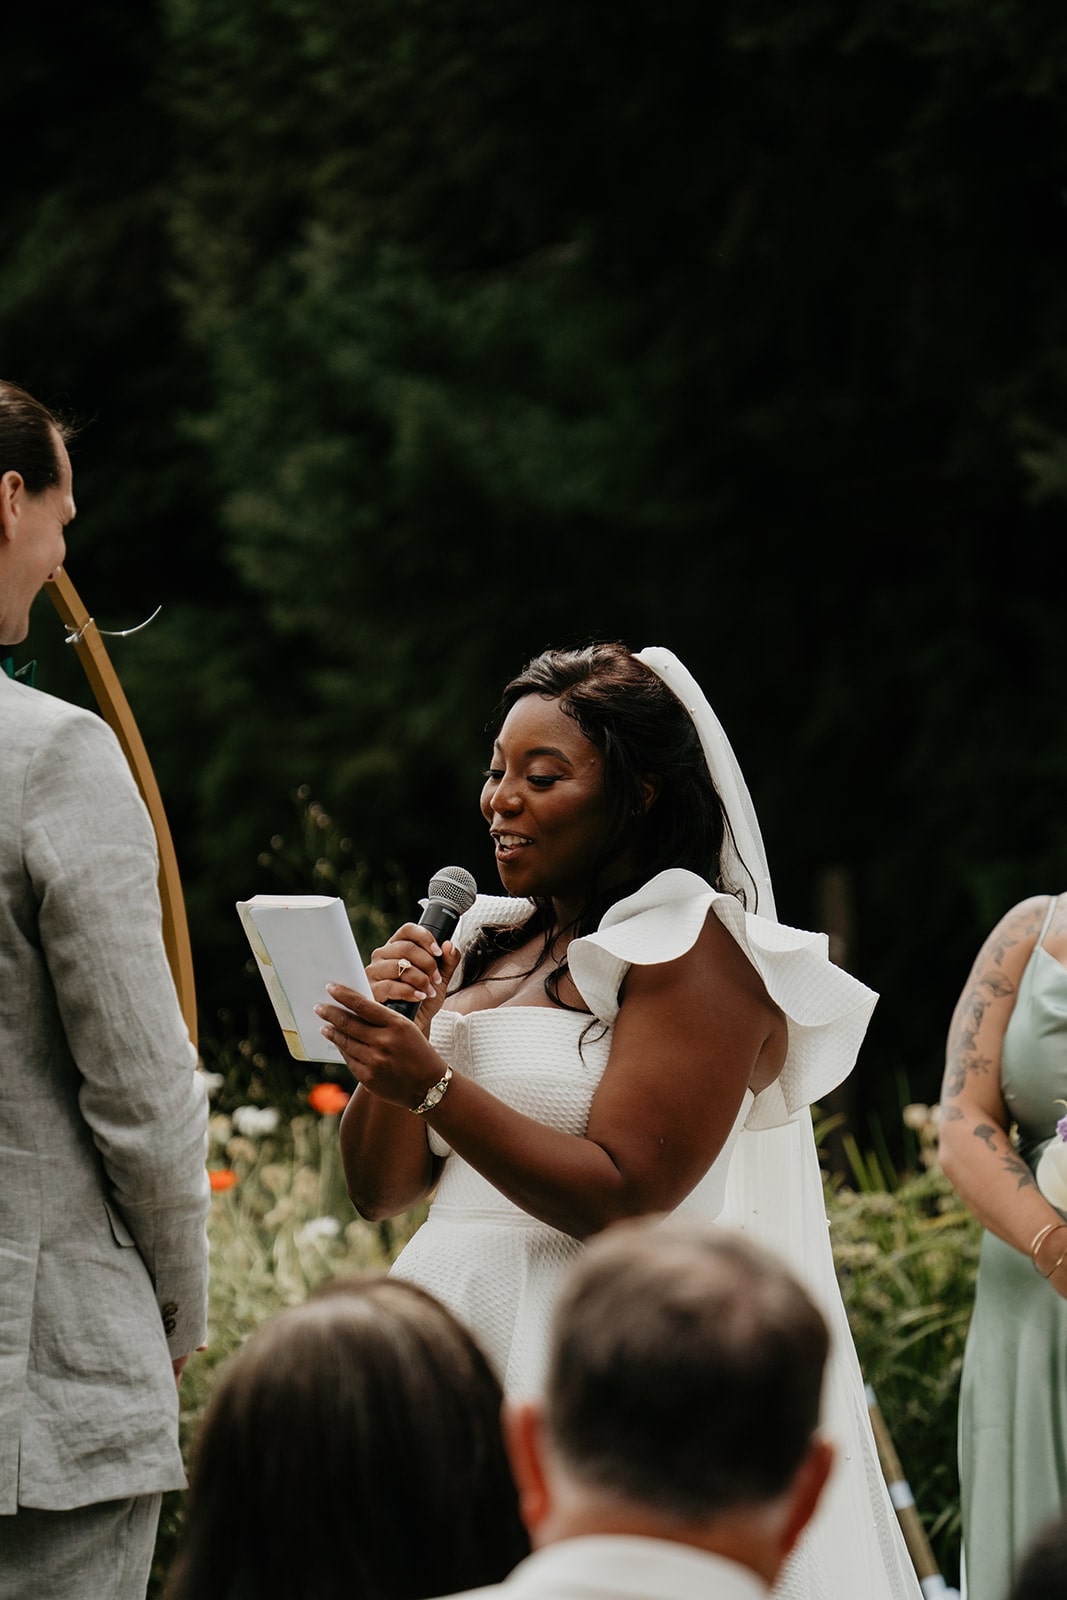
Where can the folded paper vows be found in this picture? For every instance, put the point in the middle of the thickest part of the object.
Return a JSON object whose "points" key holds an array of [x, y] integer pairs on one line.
{"points": [[301, 943]]}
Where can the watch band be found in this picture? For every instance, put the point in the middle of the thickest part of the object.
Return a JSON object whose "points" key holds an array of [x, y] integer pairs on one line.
{"points": [[435, 1095]]}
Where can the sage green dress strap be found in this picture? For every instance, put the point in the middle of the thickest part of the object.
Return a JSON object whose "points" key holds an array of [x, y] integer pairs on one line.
{"points": [[1013, 1390]]}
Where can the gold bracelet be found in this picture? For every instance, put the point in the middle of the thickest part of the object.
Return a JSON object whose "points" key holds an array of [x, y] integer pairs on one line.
{"points": [[436, 1093], [1055, 1264], [1039, 1237]]}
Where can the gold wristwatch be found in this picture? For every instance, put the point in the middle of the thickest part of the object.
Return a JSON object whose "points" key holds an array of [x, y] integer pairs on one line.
{"points": [[435, 1095]]}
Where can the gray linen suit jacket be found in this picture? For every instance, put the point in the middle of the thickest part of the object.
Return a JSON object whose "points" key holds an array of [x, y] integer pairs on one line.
{"points": [[103, 1126]]}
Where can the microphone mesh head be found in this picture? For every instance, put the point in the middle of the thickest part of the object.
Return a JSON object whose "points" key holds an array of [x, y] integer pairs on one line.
{"points": [[455, 886]]}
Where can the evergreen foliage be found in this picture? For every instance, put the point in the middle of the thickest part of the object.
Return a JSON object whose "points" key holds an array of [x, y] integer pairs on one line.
{"points": [[419, 337]]}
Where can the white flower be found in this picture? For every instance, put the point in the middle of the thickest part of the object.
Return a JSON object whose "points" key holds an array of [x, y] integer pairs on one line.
{"points": [[1051, 1172], [319, 1228], [255, 1121], [220, 1129], [213, 1082]]}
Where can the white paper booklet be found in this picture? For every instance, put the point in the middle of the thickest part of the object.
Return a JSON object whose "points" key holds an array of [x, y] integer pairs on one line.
{"points": [[301, 943]]}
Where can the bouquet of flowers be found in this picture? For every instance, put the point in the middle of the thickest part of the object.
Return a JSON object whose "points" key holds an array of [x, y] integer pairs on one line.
{"points": [[1051, 1173]]}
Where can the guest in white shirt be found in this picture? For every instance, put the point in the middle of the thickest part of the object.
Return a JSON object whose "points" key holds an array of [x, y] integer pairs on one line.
{"points": [[676, 1453]]}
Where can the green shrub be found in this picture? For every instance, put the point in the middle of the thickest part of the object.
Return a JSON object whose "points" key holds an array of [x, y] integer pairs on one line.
{"points": [[906, 1252]]}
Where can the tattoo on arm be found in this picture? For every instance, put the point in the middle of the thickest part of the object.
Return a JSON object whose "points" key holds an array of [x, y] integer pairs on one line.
{"points": [[964, 1057], [1026, 925], [996, 1141], [1017, 1166], [963, 1063]]}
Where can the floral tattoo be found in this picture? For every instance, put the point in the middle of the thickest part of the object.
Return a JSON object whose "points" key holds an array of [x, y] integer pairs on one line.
{"points": [[989, 984]]}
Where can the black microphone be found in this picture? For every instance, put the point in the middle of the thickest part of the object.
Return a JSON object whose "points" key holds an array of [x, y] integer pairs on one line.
{"points": [[452, 892]]}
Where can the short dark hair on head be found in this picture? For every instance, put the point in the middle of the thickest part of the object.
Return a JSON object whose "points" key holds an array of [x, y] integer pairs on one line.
{"points": [[28, 438], [642, 730], [351, 1447], [686, 1370], [1042, 1571]]}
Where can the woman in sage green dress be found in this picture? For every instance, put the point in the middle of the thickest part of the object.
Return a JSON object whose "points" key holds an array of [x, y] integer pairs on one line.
{"points": [[1007, 1067]]}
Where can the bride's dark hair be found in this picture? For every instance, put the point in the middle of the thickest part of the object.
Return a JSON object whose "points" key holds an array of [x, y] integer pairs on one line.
{"points": [[643, 733]]}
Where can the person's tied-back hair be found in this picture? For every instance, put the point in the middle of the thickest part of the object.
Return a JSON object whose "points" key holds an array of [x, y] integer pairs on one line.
{"points": [[27, 438], [685, 1370]]}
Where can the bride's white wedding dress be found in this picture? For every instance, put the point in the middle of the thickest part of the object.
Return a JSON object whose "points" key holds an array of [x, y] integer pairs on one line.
{"points": [[500, 1269]]}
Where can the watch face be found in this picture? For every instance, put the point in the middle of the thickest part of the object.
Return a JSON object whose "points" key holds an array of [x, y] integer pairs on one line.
{"points": [[433, 1095]]}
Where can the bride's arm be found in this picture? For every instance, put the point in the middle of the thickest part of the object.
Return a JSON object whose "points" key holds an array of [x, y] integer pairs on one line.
{"points": [[691, 1036], [387, 1162]]}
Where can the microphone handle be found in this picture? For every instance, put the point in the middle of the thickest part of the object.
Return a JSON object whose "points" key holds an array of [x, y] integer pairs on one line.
{"points": [[441, 918]]}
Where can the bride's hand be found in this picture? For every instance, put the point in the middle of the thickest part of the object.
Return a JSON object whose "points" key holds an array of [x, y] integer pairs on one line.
{"points": [[413, 967], [384, 1051]]}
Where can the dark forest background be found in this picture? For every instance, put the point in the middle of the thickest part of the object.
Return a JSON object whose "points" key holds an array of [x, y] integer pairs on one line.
{"points": [[409, 338]]}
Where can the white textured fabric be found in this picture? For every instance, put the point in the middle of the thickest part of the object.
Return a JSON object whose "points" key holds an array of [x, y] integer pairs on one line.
{"points": [[854, 1545], [496, 1266], [624, 1567], [827, 1009], [774, 1191], [503, 1280]]}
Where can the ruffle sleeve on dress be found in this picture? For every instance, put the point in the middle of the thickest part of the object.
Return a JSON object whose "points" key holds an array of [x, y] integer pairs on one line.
{"points": [[827, 1010]]}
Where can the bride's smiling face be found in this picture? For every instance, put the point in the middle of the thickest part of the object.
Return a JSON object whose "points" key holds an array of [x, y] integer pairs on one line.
{"points": [[545, 803]]}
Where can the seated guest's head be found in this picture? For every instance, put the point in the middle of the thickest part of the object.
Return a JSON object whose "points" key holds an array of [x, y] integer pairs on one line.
{"points": [[351, 1448], [682, 1400], [1042, 1571]]}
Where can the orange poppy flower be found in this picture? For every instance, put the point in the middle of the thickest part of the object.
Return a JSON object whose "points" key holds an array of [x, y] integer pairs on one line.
{"points": [[221, 1178], [329, 1098]]}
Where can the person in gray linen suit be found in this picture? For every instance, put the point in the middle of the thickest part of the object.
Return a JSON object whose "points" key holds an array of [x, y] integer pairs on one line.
{"points": [[103, 1117], [676, 1452]]}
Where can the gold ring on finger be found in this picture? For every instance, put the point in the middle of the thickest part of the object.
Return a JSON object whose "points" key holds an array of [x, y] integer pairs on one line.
{"points": [[401, 967]]}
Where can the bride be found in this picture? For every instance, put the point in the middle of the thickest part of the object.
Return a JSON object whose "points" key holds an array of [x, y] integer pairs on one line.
{"points": [[628, 1031]]}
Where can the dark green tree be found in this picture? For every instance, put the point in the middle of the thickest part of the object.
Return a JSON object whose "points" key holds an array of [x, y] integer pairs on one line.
{"points": [[413, 338], [719, 327]]}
